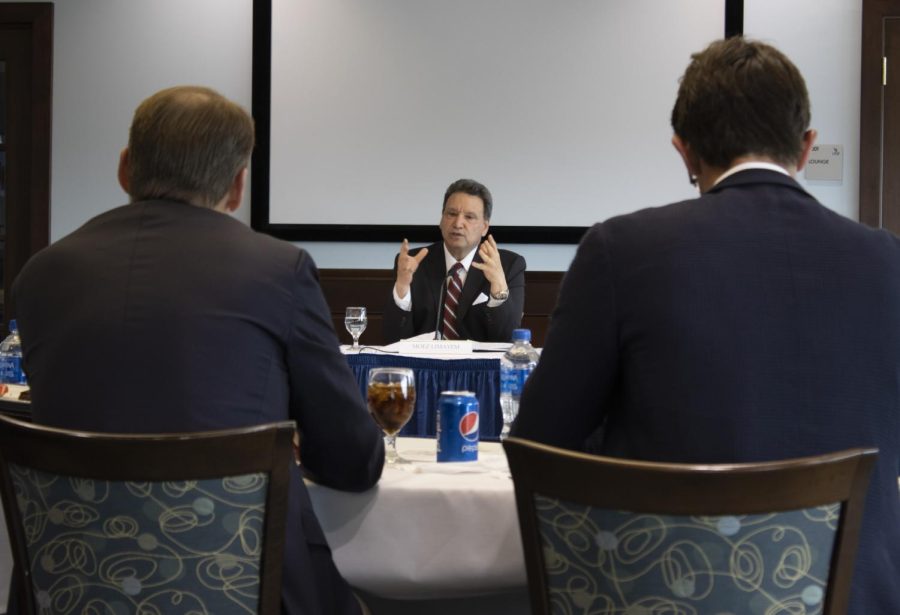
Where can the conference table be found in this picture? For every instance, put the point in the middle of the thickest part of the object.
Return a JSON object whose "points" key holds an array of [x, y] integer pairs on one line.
{"points": [[12, 405], [478, 372], [436, 538], [441, 538], [430, 537]]}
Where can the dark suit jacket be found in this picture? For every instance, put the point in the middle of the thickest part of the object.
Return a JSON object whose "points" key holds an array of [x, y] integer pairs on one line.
{"points": [[749, 324], [161, 316], [476, 322]]}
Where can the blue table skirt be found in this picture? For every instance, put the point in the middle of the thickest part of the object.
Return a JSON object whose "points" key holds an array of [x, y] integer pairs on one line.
{"points": [[482, 376]]}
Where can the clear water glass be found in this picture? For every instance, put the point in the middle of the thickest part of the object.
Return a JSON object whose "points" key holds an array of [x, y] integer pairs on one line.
{"points": [[355, 320]]}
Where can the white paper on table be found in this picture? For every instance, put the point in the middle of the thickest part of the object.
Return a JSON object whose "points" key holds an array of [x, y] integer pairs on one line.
{"points": [[491, 346], [426, 344]]}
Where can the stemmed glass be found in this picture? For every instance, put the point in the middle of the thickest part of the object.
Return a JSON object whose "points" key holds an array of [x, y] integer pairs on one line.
{"points": [[391, 396], [355, 320]]}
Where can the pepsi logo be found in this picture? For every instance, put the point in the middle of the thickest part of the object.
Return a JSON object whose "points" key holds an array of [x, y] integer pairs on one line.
{"points": [[468, 426]]}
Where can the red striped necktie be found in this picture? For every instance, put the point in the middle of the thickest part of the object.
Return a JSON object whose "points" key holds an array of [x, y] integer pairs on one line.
{"points": [[451, 302]]}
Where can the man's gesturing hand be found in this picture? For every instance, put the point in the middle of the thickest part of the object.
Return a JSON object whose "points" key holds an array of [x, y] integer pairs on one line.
{"points": [[491, 266], [406, 267]]}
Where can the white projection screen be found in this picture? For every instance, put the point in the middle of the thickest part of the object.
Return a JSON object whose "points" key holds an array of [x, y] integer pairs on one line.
{"points": [[367, 109]]}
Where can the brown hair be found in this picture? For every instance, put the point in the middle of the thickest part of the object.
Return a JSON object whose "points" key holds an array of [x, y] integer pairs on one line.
{"points": [[740, 97], [187, 143], [472, 188]]}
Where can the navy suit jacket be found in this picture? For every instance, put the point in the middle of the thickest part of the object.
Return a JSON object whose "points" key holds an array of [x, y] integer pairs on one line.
{"points": [[476, 322], [160, 316], [749, 324]]}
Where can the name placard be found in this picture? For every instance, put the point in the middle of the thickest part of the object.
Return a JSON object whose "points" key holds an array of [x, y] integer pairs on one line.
{"points": [[433, 346]]}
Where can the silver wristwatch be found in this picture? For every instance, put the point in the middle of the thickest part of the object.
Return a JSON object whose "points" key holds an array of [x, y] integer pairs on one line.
{"points": [[503, 295]]}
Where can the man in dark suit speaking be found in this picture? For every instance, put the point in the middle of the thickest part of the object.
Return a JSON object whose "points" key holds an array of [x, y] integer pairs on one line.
{"points": [[462, 288], [168, 315], [748, 324]]}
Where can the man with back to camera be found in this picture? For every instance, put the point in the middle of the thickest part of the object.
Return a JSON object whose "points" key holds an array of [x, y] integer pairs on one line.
{"points": [[486, 288], [748, 324], [169, 315]]}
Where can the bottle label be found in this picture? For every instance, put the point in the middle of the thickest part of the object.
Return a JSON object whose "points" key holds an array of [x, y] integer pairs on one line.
{"points": [[512, 381], [11, 370]]}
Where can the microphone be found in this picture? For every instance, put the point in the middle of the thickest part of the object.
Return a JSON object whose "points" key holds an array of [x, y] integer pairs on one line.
{"points": [[439, 320]]}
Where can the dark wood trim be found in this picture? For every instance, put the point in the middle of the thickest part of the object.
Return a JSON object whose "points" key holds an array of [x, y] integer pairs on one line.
{"points": [[870, 112], [734, 18], [394, 233], [259, 177], [371, 288], [260, 106], [29, 154], [41, 126], [156, 458], [691, 490]]}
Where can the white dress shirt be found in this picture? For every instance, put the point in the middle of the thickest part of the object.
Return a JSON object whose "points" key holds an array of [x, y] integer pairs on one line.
{"points": [[405, 303]]}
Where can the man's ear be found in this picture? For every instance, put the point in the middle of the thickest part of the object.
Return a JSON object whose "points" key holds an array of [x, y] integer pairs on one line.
{"points": [[691, 161], [236, 191], [809, 139], [124, 171]]}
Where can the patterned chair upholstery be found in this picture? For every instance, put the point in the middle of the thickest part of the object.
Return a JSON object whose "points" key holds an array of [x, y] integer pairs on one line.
{"points": [[735, 544], [602, 561], [170, 543]]}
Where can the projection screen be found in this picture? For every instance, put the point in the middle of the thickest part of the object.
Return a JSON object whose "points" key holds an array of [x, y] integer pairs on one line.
{"points": [[367, 109]]}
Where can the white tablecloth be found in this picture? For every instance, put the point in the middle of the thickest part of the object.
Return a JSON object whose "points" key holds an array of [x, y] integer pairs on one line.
{"points": [[428, 530]]}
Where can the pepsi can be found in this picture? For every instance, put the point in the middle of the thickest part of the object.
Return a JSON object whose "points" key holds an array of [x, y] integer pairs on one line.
{"points": [[457, 426]]}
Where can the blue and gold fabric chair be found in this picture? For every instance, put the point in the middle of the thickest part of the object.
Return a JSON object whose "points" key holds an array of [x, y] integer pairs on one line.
{"points": [[114, 524], [615, 536]]}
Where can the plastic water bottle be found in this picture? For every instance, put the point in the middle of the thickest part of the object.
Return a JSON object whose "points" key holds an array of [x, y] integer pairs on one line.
{"points": [[515, 366], [11, 357]]}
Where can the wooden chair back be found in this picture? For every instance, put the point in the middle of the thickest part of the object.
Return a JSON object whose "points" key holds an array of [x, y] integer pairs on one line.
{"points": [[604, 534], [166, 523]]}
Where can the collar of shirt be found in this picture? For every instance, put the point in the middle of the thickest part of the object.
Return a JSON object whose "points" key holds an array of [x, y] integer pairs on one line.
{"points": [[450, 260], [753, 164]]}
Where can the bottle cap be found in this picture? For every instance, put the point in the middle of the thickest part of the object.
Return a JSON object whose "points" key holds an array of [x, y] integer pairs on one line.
{"points": [[521, 335]]}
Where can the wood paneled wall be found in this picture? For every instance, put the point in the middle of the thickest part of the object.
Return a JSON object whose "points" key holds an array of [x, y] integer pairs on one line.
{"points": [[372, 288]]}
